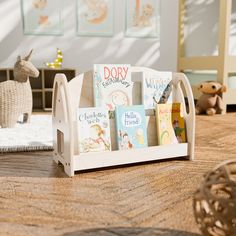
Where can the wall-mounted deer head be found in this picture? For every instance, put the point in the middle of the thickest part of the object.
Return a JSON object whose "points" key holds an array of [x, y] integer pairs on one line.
{"points": [[24, 68]]}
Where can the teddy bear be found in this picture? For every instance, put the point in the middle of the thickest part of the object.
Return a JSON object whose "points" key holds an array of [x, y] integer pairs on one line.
{"points": [[210, 101]]}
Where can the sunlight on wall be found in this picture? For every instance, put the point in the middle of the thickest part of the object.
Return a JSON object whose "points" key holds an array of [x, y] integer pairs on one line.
{"points": [[201, 31], [207, 2], [9, 17], [202, 18], [83, 52], [150, 56], [92, 43]]}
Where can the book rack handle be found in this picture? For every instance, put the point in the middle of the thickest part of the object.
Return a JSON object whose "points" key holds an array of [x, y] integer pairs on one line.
{"points": [[181, 79], [181, 82]]}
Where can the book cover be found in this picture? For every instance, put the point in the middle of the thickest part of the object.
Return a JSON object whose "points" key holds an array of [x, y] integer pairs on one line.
{"points": [[93, 130], [131, 127], [170, 124], [112, 85], [156, 89]]}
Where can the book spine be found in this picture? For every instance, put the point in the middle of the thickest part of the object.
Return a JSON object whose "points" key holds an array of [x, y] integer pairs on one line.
{"points": [[116, 113], [158, 125], [94, 88]]}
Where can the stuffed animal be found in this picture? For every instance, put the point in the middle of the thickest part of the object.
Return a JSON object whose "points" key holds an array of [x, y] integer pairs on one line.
{"points": [[210, 102]]}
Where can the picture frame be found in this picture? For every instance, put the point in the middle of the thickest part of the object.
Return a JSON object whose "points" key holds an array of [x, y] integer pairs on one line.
{"points": [[95, 18], [42, 17], [143, 18]]}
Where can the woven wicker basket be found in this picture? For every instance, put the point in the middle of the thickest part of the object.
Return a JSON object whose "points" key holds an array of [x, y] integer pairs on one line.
{"points": [[15, 99], [215, 201], [16, 96]]}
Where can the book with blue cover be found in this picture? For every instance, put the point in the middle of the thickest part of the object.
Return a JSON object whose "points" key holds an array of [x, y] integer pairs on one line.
{"points": [[93, 129], [112, 85], [131, 127], [156, 89]]}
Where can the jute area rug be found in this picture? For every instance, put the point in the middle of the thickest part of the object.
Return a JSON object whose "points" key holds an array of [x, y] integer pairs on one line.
{"points": [[34, 136]]}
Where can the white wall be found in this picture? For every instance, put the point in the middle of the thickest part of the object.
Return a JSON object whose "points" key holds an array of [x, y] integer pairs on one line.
{"points": [[202, 31], [83, 52]]}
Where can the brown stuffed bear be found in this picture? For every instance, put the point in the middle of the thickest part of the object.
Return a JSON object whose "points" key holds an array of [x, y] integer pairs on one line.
{"points": [[210, 102]]}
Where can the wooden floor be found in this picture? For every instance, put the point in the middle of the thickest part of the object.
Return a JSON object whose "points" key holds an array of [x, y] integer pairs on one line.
{"points": [[36, 198]]}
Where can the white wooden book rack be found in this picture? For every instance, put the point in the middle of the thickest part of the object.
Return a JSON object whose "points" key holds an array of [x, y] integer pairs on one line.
{"points": [[68, 97]]}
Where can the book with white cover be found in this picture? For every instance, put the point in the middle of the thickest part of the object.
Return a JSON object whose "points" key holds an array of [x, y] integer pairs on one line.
{"points": [[112, 85], [156, 89], [93, 130]]}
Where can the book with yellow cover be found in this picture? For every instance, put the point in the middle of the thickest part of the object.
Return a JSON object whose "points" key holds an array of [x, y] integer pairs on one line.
{"points": [[170, 124]]}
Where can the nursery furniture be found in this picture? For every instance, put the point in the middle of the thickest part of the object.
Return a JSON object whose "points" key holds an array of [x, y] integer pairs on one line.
{"points": [[223, 63], [42, 86], [69, 96], [16, 96]]}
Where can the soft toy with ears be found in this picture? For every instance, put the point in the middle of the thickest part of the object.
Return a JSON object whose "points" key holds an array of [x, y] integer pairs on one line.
{"points": [[210, 102]]}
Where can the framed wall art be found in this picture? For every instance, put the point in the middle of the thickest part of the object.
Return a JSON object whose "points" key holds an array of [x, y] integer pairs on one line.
{"points": [[42, 17], [142, 18], [95, 17]]}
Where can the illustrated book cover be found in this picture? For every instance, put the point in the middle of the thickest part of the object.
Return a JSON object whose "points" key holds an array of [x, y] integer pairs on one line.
{"points": [[131, 127], [170, 124], [156, 89], [93, 130], [112, 85]]}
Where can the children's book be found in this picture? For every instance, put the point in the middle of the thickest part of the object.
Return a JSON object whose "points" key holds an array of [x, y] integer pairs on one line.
{"points": [[156, 89], [93, 130], [131, 127], [112, 85], [170, 124]]}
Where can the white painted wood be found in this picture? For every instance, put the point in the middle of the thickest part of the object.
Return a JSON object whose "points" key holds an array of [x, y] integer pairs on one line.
{"points": [[232, 63], [69, 96], [106, 159], [199, 63], [230, 96], [178, 96], [62, 121]]}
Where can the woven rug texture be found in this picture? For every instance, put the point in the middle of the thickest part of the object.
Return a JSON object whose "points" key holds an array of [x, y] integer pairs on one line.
{"points": [[33, 136]]}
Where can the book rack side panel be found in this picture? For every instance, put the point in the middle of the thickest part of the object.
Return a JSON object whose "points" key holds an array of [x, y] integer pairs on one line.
{"points": [[63, 135], [48, 76]]}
